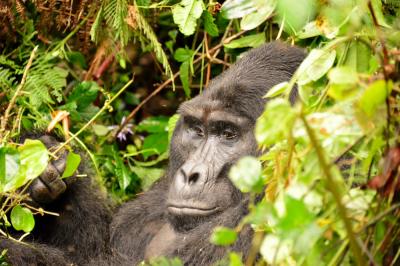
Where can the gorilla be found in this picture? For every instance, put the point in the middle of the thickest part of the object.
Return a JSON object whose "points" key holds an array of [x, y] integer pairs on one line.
{"points": [[177, 215]]}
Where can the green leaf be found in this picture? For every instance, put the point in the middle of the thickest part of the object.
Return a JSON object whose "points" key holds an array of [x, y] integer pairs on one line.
{"points": [[276, 90], [374, 96], [84, 94], [154, 124], [246, 174], [275, 123], [186, 13], [184, 76], [22, 219], [223, 236], [235, 259], [377, 7], [12, 165], [254, 19], [317, 63], [147, 175], [209, 25], [295, 14], [237, 8], [73, 161], [76, 58], [2, 166], [155, 143], [247, 41], [33, 158], [100, 130], [343, 75], [183, 54], [171, 125], [124, 179]]}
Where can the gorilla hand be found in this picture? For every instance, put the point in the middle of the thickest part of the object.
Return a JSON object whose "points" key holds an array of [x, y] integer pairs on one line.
{"points": [[49, 185]]}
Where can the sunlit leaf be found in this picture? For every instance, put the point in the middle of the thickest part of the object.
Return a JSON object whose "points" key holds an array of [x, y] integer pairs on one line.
{"points": [[246, 174], [186, 13], [295, 14], [247, 41], [154, 124], [209, 25], [171, 125], [184, 76], [275, 123], [22, 219], [317, 63], [72, 164], [254, 19], [223, 236], [374, 96], [237, 8], [276, 90]]}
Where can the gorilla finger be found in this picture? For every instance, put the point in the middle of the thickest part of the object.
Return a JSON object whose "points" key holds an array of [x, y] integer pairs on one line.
{"points": [[50, 174], [60, 163], [39, 192], [57, 187]]}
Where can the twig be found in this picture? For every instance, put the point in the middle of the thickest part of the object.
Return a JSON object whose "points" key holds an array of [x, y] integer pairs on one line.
{"points": [[105, 106], [168, 81], [333, 188], [17, 92]]}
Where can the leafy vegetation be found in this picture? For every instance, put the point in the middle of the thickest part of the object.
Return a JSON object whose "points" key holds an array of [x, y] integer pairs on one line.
{"points": [[329, 170]]}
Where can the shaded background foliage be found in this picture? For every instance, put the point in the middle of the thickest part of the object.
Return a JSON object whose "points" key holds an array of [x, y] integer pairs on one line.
{"points": [[330, 163]]}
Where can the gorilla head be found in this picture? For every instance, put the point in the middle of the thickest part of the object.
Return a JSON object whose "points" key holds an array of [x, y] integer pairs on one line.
{"points": [[216, 129]]}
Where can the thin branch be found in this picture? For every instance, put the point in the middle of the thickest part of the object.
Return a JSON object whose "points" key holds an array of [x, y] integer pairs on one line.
{"points": [[168, 81], [105, 107], [17, 92], [334, 189]]}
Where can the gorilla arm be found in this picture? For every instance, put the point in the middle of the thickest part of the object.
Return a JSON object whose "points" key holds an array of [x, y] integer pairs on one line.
{"points": [[81, 229]]}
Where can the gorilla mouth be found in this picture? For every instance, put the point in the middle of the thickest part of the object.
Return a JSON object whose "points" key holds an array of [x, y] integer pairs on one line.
{"points": [[191, 210]]}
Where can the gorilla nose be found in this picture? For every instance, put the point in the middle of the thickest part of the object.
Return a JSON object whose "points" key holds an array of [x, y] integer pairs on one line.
{"points": [[190, 177]]}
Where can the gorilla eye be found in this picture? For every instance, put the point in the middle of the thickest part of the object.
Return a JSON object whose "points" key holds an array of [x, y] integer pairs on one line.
{"points": [[198, 130], [229, 134]]}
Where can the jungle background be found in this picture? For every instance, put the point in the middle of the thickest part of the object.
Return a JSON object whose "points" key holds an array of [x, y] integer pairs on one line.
{"points": [[107, 77]]}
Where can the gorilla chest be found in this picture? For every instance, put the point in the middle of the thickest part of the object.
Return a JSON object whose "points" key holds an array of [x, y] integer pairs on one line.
{"points": [[163, 243]]}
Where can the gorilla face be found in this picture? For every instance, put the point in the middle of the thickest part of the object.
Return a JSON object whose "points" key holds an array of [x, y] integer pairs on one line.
{"points": [[216, 129], [209, 139]]}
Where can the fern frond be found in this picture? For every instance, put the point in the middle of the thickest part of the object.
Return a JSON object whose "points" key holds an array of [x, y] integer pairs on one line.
{"points": [[7, 79], [148, 32], [115, 13]]}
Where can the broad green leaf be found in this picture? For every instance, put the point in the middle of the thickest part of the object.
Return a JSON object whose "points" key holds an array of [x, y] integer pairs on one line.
{"points": [[295, 14], [184, 76], [147, 175], [155, 144], [357, 56], [186, 13], [100, 130], [237, 8], [12, 165], [22, 219], [209, 25], [374, 96], [276, 90], [275, 250], [223, 236], [254, 19], [309, 30], [275, 123], [84, 94], [171, 125], [33, 158], [343, 75], [246, 174], [317, 63], [343, 83], [73, 161], [183, 54], [123, 176], [247, 41], [377, 7], [235, 259], [154, 124]]}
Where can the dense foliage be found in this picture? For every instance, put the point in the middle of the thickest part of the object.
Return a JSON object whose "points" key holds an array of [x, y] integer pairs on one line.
{"points": [[329, 171]]}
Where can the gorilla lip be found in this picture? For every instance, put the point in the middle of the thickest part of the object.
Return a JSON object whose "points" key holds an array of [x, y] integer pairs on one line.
{"points": [[182, 210]]}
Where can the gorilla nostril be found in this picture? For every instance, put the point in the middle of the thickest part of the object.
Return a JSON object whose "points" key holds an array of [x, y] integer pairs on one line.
{"points": [[193, 178]]}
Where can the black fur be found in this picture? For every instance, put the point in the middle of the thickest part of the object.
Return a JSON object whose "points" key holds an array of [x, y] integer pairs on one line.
{"points": [[85, 233]]}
